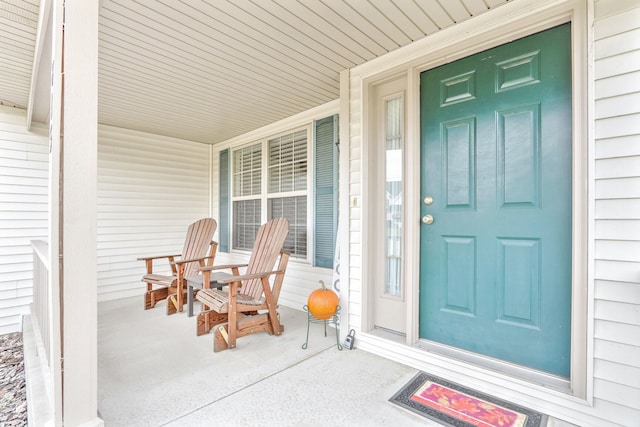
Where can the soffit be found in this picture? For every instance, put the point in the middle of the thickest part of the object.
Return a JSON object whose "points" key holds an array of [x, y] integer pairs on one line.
{"points": [[18, 28], [209, 70]]}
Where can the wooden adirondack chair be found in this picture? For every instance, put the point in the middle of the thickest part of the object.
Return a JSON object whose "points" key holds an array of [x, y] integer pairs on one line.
{"points": [[199, 251], [234, 308]]}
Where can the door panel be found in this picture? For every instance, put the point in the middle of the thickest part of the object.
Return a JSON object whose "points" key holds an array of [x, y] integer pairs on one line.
{"points": [[496, 159]]}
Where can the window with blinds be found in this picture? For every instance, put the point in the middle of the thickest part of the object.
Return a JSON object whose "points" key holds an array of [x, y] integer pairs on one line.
{"points": [[275, 178], [295, 210], [247, 171], [288, 163], [287, 183], [282, 163], [246, 222], [247, 200]]}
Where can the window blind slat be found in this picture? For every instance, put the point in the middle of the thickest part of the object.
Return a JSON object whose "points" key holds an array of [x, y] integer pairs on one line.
{"points": [[288, 163], [246, 222], [295, 210]]}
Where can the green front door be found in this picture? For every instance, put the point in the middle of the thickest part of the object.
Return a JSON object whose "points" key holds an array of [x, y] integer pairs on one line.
{"points": [[495, 241]]}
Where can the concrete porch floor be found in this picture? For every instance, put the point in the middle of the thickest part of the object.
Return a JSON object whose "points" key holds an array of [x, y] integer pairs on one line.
{"points": [[154, 371]]}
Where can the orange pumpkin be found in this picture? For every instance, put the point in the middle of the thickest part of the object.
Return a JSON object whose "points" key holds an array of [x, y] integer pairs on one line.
{"points": [[323, 303]]}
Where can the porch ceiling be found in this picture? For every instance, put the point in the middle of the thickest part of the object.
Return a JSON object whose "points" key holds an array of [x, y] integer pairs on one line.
{"points": [[209, 70]]}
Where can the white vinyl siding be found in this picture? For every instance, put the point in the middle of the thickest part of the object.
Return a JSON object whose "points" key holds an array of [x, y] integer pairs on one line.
{"points": [[617, 209], [24, 159], [355, 210], [150, 188]]}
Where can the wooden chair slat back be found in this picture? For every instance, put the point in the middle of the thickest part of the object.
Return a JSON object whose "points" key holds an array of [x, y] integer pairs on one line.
{"points": [[269, 242], [282, 266], [197, 243]]}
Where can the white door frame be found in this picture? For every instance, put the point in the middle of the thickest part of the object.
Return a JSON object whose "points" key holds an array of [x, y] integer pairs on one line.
{"points": [[506, 23]]}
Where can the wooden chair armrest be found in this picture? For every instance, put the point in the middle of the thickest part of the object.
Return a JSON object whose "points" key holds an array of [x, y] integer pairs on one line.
{"points": [[221, 267], [249, 276], [184, 261], [158, 257]]}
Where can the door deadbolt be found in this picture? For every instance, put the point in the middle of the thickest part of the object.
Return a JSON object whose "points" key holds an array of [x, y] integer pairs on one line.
{"points": [[428, 200]]}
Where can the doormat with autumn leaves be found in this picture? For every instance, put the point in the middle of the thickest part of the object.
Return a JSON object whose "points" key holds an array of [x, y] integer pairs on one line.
{"points": [[453, 405]]}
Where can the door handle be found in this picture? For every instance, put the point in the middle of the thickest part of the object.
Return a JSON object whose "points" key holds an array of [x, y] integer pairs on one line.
{"points": [[427, 219]]}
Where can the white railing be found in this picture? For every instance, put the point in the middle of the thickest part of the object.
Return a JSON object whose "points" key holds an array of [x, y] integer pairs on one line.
{"points": [[44, 375], [41, 316]]}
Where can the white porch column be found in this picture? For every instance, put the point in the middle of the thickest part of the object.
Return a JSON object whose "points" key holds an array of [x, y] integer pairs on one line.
{"points": [[77, 221]]}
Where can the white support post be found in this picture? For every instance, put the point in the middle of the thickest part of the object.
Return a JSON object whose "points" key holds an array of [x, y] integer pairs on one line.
{"points": [[55, 211], [79, 143]]}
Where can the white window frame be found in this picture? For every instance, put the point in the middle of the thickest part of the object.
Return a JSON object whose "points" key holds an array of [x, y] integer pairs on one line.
{"points": [[265, 195]]}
